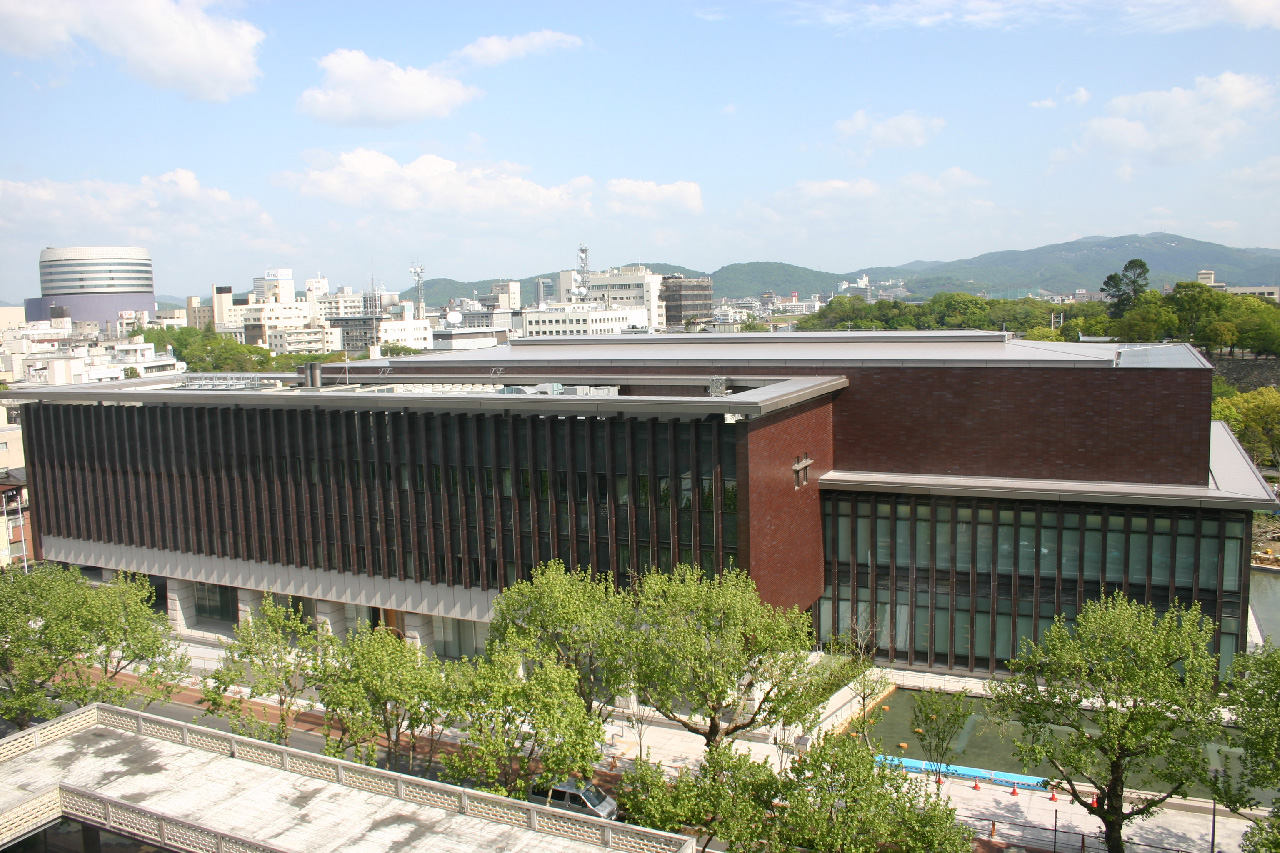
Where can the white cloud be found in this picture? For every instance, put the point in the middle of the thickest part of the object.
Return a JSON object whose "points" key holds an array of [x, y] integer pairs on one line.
{"points": [[906, 130], [370, 179], [947, 181], [1159, 15], [168, 44], [1079, 97], [647, 198], [495, 50], [1264, 175], [838, 189], [1181, 124], [360, 90], [174, 214], [1046, 104], [1224, 224]]}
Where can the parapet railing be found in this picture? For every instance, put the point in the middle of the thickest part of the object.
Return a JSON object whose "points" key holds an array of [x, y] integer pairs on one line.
{"points": [[47, 805], [411, 789]]}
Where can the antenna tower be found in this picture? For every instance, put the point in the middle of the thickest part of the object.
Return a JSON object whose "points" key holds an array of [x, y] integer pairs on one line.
{"points": [[584, 268], [420, 310]]}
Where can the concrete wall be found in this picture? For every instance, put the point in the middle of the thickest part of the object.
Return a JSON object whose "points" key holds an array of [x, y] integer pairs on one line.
{"points": [[408, 596]]}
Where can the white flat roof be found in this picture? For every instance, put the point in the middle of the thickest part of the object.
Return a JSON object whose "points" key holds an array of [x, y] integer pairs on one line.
{"points": [[826, 349]]}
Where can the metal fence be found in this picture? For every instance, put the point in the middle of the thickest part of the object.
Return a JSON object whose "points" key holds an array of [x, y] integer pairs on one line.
{"points": [[1051, 838]]}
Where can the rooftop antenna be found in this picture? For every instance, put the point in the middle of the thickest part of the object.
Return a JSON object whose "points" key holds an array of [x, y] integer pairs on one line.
{"points": [[416, 272], [584, 268]]}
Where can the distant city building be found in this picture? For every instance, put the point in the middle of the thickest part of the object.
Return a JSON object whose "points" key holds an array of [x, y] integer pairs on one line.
{"points": [[93, 284], [579, 319], [275, 284], [1262, 291], [686, 299], [623, 287]]}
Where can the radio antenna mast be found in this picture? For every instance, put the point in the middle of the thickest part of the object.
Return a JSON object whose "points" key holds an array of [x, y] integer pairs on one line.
{"points": [[420, 311]]}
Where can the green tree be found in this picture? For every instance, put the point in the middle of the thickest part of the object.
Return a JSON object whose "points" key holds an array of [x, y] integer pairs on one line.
{"points": [[576, 620], [1194, 303], [1259, 430], [1253, 686], [1124, 287], [1147, 319], [754, 325], [65, 641], [936, 719], [394, 350], [1043, 333], [1217, 335], [648, 798], [523, 724], [375, 685], [273, 661], [131, 373], [709, 655], [839, 799], [1126, 701]]}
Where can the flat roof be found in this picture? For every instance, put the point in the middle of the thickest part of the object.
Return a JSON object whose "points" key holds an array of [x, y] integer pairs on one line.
{"points": [[771, 395], [1232, 482], [200, 781], [809, 349]]}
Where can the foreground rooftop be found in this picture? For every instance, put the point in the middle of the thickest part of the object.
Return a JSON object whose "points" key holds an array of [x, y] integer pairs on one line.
{"points": [[186, 787]]}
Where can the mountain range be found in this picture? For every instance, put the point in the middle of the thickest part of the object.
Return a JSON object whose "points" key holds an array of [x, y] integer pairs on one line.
{"points": [[1057, 268]]}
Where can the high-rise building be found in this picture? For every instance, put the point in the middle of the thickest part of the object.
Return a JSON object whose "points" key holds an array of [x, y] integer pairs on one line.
{"points": [[275, 284], [686, 299], [93, 283]]}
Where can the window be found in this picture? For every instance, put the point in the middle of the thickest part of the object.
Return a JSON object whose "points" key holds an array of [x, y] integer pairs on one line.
{"points": [[216, 602]]}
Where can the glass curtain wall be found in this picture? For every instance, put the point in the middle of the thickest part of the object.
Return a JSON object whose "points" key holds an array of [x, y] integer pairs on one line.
{"points": [[959, 583]]}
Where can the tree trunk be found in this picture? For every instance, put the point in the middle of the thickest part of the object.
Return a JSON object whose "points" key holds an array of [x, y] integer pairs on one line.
{"points": [[1111, 834], [1113, 816]]}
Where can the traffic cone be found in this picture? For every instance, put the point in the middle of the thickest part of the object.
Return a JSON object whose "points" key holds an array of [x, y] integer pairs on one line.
{"points": [[1053, 795], [1014, 793], [1095, 801], [976, 786]]}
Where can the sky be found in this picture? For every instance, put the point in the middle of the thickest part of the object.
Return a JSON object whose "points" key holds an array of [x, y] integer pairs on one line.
{"points": [[487, 140]]}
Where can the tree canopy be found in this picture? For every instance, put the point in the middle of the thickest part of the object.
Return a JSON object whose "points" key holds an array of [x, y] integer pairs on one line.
{"points": [[1125, 287], [63, 640], [1125, 699]]}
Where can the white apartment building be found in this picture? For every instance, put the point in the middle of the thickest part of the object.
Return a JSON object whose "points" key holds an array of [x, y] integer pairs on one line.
{"points": [[623, 287], [583, 319], [342, 303], [412, 333], [81, 364], [274, 284], [319, 339]]}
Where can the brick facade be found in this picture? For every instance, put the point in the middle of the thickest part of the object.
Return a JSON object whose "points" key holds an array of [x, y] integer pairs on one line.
{"points": [[780, 524], [1091, 423]]}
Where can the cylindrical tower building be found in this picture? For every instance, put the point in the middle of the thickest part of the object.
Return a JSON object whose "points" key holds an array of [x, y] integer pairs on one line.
{"points": [[93, 283]]}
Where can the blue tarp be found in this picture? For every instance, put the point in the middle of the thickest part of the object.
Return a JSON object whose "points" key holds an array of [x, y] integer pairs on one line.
{"points": [[993, 777]]}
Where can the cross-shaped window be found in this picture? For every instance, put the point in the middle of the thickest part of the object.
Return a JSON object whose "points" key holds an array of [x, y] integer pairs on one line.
{"points": [[801, 470]]}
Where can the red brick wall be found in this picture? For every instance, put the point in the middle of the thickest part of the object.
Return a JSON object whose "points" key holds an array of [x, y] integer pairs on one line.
{"points": [[1126, 425], [780, 526]]}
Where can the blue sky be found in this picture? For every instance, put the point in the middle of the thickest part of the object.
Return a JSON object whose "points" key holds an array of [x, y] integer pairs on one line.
{"points": [[489, 139]]}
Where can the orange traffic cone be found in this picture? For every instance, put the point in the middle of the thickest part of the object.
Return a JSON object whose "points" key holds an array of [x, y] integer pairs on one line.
{"points": [[1014, 793], [1095, 801], [976, 786], [1053, 795]]}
